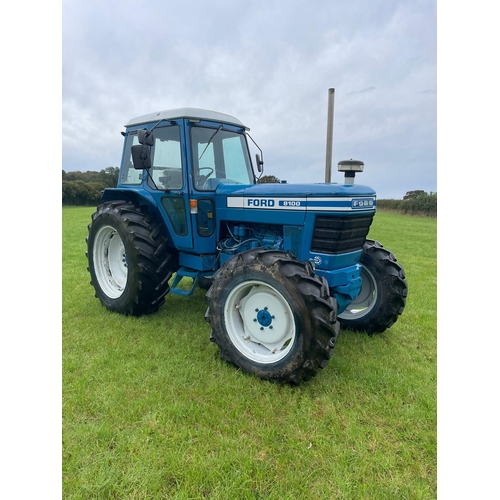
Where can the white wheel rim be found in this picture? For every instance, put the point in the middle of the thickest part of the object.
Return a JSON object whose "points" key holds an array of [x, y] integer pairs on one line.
{"points": [[366, 299], [110, 262], [259, 322]]}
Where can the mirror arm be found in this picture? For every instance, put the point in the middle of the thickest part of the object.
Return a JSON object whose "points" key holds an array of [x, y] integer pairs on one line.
{"points": [[258, 159]]}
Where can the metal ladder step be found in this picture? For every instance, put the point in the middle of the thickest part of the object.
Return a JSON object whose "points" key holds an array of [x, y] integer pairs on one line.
{"points": [[184, 273]]}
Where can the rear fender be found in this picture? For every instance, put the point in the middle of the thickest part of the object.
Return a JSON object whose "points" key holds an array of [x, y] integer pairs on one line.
{"points": [[142, 198]]}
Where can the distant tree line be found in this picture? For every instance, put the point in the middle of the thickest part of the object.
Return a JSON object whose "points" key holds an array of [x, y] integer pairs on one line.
{"points": [[416, 202], [84, 188]]}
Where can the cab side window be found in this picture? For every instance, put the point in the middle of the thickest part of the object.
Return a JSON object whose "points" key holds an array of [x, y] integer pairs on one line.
{"points": [[166, 163]]}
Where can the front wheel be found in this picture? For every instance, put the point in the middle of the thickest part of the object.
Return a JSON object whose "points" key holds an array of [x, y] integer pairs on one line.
{"points": [[272, 316], [384, 289]]}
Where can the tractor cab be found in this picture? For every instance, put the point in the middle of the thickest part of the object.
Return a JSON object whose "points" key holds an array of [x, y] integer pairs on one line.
{"points": [[214, 143], [175, 160]]}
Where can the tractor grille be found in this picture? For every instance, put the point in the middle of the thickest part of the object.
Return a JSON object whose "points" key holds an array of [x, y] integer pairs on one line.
{"points": [[340, 234]]}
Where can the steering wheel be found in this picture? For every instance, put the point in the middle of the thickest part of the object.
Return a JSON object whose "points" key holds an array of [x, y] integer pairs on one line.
{"points": [[203, 178]]}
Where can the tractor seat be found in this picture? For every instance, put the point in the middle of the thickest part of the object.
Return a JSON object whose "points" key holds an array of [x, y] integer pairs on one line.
{"points": [[172, 179]]}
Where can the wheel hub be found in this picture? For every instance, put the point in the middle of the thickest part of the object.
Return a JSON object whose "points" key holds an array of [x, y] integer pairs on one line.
{"points": [[264, 318], [260, 321]]}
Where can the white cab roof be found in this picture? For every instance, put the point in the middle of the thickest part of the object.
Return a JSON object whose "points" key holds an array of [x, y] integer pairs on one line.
{"points": [[193, 113]]}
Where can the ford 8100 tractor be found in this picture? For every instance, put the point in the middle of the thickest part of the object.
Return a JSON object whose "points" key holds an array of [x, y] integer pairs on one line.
{"points": [[286, 265]]}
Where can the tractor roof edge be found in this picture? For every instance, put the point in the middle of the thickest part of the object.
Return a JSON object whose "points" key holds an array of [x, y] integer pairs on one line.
{"points": [[193, 113]]}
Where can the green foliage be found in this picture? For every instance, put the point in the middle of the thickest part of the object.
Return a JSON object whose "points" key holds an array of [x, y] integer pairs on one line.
{"points": [[79, 192], [84, 188], [269, 179], [413, 195], [413, 203], [151, 412]]}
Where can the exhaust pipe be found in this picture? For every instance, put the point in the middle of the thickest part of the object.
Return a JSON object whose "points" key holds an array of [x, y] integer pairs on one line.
{"points": [[329, 136]]}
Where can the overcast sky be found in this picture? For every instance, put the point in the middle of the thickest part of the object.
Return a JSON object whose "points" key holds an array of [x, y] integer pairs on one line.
{"points": [[270, 64]]}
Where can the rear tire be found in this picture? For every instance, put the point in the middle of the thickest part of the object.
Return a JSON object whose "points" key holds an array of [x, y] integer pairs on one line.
{"points": [[384, 289], [272, 316], [205, 283], [129, 263]]}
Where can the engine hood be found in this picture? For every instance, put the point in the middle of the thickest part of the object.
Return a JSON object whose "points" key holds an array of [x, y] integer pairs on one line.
{"points": [[294, 190], [276, 200]]}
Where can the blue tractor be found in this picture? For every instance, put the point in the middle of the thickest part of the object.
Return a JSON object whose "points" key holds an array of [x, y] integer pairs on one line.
{"points": [[286, 265]]}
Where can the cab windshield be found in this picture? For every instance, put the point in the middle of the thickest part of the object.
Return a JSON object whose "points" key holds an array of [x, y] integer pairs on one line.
{"points": [[219, 156]]}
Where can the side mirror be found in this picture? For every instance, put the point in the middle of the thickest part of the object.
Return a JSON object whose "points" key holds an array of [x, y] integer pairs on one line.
{"points": [[141, 156], [259, 162], [145, 137]]}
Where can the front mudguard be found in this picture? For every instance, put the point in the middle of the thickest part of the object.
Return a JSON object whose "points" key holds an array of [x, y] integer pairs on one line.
{"points": [[344, 284]]}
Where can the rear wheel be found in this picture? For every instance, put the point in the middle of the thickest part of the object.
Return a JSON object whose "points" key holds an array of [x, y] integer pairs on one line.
{"points": [[384, 289], [272, 316], [129, 262], [205, 283]]}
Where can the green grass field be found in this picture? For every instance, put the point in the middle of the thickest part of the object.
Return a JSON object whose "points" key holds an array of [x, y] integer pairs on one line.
{"points": [[150, 411]]}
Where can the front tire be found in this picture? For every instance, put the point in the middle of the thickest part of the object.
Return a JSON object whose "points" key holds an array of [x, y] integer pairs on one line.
{"points": [[129, 263], [384, 289], [272, 316]]}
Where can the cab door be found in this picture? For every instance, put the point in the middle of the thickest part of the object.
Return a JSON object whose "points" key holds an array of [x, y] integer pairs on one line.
{"points": [[218, 155], [205, 162], [170, 184]]}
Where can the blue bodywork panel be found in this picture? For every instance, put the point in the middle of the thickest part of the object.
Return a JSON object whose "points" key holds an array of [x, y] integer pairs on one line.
{"points": [[295, 208]]}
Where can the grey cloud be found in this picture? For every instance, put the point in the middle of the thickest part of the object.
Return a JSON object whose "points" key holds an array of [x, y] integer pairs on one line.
{"points": [[368, 89], [271, 67]]}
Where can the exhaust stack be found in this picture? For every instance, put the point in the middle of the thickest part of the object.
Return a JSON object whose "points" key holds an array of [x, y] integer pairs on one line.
{"points": [[329, 136]]}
